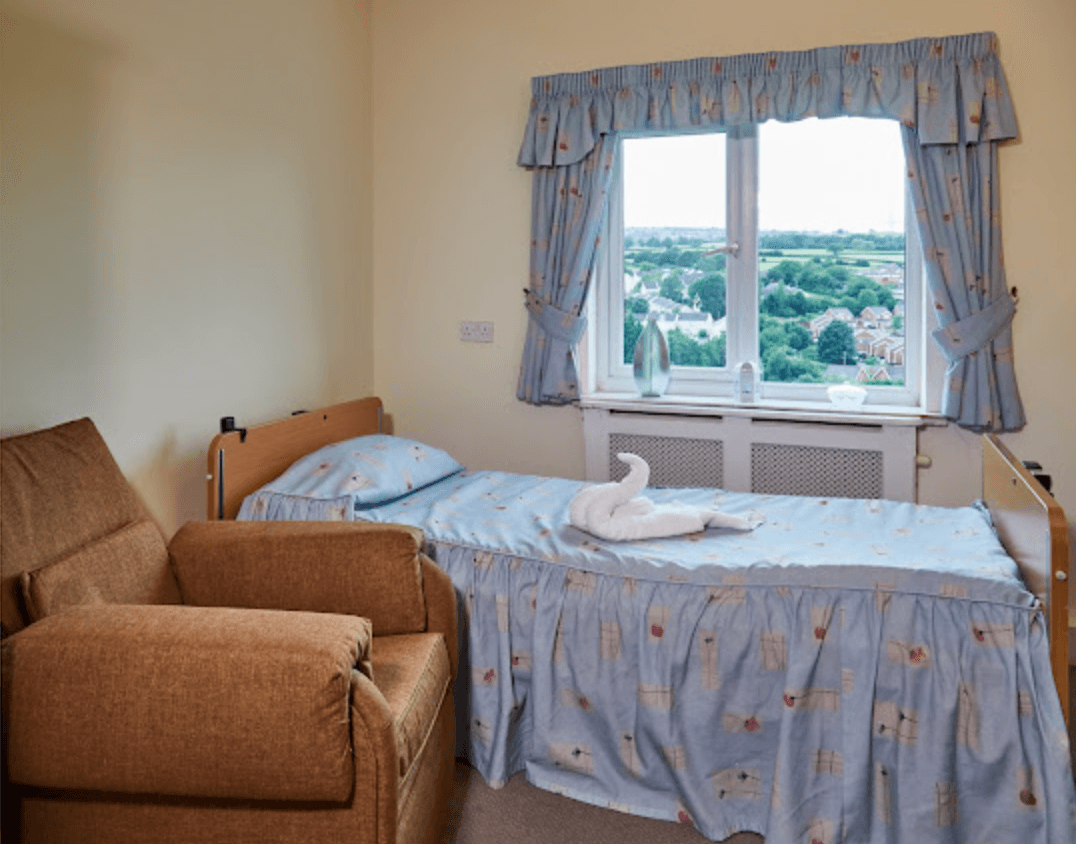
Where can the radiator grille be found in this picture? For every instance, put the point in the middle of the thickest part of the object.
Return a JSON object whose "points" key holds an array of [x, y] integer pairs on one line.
{"points": [[814, 470], [674, 461]]}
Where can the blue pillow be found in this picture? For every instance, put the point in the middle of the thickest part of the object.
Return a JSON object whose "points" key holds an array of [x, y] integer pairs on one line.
{"points": [[372, 470]]}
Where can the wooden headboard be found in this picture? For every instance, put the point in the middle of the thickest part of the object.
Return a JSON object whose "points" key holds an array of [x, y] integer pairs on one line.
{"points": [[244, 460], [1033, 529]]}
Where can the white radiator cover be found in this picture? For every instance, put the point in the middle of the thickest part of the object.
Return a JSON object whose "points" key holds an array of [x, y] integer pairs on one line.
{"points": [[750, 454]]}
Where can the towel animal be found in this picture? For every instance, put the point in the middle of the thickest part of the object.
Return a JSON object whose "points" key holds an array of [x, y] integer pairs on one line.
{"points": [[616, 510]]}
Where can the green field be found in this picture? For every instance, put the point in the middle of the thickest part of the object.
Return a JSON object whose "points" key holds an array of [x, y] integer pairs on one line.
{"points": [[766, 262], [849, 256]]}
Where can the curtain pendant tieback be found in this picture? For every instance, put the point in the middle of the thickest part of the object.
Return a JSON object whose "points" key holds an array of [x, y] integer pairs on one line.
{"points": [[960, 339], [557, 323]]}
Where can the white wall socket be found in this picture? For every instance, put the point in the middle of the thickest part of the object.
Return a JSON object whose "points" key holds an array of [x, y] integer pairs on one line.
{"points": [[476, 332]]}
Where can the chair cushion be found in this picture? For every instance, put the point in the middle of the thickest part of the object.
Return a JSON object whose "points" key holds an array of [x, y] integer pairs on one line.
{"points": [[129, 566], [186, 701], [411, 671], [60, 489]]}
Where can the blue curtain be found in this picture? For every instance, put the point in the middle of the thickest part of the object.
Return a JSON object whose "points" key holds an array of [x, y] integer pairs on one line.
{"points": [[569, 205], [954, 189], [949, 94]]}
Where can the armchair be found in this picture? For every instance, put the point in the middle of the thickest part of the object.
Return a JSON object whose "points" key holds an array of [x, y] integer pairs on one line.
{"points": [[243, 682]]}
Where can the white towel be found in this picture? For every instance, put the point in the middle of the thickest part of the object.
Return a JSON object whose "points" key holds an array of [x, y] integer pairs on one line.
{"points": [[616, 510]]}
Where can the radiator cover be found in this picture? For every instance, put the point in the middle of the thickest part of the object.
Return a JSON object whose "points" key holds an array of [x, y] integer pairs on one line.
{"points": [[762, 455]]}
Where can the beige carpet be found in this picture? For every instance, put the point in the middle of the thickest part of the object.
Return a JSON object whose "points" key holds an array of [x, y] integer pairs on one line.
{"points": [[522, 814]]}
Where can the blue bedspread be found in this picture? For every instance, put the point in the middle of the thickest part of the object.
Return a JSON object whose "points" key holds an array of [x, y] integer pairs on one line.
{"points": [[850, 670]]}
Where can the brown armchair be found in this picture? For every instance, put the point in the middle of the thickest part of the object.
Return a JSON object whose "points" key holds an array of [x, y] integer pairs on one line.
{"points": [[245, 682]]}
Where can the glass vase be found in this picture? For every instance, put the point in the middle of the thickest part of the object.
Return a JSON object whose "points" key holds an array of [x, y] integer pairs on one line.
{"points": [[651, 362]]}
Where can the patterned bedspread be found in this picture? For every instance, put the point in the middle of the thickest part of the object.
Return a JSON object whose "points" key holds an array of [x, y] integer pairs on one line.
{"points": [[850, 670]]}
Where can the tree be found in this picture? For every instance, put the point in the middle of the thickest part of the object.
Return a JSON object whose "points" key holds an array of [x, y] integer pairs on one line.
{"points": [[709, 291], [837, 343], [684, 350], [778, 365], [786, 271], [866, 299], [772, 337], [637, 305], [672, 288], [711, 263], [799, 338]]}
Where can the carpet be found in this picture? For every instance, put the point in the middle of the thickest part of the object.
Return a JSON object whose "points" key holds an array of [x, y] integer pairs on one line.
{"points": [[522, 814]]}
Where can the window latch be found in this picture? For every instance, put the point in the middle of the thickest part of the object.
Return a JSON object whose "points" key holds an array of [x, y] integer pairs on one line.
{"points": [[732, 249]]}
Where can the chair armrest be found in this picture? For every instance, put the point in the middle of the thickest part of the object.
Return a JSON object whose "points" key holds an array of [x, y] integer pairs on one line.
{"points": [[442, 610], [189, 701], [351, 568]]}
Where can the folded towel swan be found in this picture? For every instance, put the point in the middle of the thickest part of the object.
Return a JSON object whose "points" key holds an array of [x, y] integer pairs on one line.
{"points": [[616, 510]]}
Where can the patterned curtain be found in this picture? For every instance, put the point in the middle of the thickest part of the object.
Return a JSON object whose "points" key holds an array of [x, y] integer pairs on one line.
{"points": [[949, 94], [955, 192], [568, 208]]}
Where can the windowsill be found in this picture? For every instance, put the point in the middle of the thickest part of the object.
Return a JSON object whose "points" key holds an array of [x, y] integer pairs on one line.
{"points": [[802, 411]]}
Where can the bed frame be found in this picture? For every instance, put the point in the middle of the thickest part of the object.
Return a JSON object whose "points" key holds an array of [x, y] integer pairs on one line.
{"points": [[242, 460], [1030, 523], [1033, 529]]}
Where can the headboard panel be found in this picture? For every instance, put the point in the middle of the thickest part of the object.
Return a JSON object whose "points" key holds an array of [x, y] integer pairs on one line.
{"points": [[251, 461], [1033, 529]]}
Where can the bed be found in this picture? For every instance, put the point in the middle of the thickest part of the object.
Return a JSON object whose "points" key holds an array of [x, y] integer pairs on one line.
{"points": [[848, 670]]}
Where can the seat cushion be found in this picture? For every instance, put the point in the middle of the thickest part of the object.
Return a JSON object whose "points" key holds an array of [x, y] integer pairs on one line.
{"points": [[411, 671]]}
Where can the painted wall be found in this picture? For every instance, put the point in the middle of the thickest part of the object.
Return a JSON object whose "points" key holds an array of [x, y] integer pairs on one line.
{"points": [[186, 222], [205, 203], [451, 222]]}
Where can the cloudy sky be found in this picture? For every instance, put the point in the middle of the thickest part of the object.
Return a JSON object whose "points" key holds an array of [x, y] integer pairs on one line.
{"points": [[815, 175]]}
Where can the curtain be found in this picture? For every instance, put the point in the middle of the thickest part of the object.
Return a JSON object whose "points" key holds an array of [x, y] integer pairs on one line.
{"points": [[954, 191], [568, 208], [949, 94]]}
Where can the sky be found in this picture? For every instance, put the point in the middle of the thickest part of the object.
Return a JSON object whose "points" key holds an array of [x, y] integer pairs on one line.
{"points": [[814, 175]]}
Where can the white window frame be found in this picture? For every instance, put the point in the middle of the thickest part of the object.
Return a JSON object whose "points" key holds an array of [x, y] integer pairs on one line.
{"points": [[606, 376]]}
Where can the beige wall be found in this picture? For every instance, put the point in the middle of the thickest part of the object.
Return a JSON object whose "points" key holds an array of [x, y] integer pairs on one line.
{"points": [[193, 191], [186, 222], [452, 214]]}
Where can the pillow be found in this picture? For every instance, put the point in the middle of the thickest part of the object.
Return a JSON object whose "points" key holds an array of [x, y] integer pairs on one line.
{"points": [[370, 471], [129, 566]]}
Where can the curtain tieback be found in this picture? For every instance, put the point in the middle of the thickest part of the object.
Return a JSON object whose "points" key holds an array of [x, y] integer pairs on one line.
{"points": [[964, 337], [555, 322]]}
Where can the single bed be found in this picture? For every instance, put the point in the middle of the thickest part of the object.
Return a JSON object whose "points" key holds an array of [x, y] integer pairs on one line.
{"points": [[849, 670]]}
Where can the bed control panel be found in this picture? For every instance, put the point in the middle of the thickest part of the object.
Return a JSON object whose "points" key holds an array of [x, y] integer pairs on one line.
{"points": [[1036, 470]]}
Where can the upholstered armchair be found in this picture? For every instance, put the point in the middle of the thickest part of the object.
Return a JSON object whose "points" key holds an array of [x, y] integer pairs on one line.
{"points": [[243, 682]]}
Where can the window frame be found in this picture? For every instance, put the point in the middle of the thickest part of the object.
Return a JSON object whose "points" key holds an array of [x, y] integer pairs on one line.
{"points": [[605, 374]]}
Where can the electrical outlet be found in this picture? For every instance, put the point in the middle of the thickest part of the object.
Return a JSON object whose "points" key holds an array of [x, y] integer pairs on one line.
{"points": [[476, 332]]}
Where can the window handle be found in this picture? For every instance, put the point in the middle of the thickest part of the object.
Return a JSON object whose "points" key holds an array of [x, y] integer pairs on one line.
{"points": [[732, 249]]}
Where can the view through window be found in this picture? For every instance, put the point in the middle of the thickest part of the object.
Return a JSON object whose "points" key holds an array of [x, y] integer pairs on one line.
{"points": [[831, 249]]}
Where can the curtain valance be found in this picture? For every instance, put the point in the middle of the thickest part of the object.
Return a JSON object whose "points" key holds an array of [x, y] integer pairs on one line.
{"points": [[948, 90]]}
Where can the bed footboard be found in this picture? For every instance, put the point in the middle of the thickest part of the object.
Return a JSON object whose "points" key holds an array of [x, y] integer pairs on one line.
{"points": [[1032, 527]]}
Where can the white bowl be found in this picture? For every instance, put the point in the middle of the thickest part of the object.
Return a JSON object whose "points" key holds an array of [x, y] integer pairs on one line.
{"points": [[846, 395]]}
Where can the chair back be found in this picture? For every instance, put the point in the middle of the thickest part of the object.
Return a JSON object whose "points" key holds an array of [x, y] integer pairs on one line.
{"points": [[61, 493]]}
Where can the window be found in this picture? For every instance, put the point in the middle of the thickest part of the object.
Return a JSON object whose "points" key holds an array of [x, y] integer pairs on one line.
{"points": [[786, 246]]}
